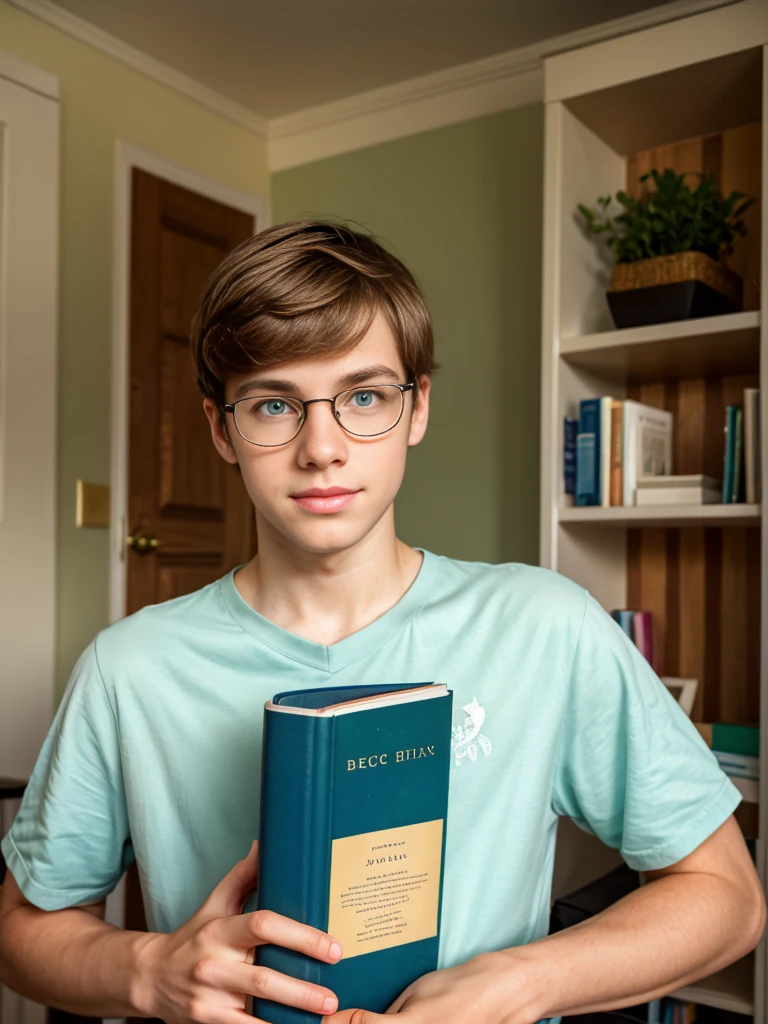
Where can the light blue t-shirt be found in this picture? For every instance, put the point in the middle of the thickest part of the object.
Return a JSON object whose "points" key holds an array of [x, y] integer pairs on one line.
{"points": [[155, 750]]}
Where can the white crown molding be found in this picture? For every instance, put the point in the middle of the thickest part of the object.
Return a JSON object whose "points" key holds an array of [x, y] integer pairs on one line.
{"points": [[139, 61], [475, 89], [481, 87]]}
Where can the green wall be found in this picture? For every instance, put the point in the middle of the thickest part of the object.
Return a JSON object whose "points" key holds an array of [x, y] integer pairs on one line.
{"points": [[462, 207], [103, 101]]}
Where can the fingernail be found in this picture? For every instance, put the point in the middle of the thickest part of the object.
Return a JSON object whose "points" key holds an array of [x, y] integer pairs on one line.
{"points": [[329, 1005], [335, 951]]}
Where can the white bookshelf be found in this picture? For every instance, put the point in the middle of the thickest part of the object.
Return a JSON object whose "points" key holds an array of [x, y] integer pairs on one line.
{"points": [[685, 80]]}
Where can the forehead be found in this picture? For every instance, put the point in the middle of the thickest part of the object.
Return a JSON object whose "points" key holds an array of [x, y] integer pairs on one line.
{"points": [[377, 347]]}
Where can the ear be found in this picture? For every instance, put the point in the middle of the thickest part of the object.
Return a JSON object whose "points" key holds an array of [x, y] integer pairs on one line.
{"points": [[219, 431], [420, 412]]}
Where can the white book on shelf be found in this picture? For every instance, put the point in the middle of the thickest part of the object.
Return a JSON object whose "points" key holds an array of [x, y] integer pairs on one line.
{"points": [[692, 480], [678, 496], [647, 447], [606, 405], [749, 788], [752, 444]]}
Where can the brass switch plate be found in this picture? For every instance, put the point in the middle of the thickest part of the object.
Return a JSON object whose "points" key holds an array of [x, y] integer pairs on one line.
{"points": [[92, 504]]}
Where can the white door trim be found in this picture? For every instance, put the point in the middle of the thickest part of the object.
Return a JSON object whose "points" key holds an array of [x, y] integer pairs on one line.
{"points": [[129, 156], [29, 208]]}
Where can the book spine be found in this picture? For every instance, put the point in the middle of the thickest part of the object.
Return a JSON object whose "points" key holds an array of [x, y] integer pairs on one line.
{"points": [[728, 456], [570, 430], [606, 418], [738, 455], [617, 441], [294, 843], [749, 444], [588, 453], [731, 739]]}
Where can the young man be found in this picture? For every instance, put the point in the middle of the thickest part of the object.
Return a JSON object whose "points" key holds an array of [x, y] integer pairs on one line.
{"points": [[313, 349]]}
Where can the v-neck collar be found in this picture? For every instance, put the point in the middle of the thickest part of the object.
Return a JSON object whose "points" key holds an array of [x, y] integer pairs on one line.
{"points": [[335, 656]]}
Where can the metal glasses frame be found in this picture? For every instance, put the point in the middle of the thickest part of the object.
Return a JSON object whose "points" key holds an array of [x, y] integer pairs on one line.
{"points": [[402, 388]]}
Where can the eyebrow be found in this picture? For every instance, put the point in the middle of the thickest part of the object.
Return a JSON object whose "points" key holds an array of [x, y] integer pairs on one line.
{"points": [[273, 386]]}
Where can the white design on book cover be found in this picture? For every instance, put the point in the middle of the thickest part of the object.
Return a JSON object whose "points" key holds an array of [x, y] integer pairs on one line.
{"points": [[466, 738]]}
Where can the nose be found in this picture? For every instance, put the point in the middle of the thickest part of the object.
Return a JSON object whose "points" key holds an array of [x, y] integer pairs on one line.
{"points": [[321, 440]]}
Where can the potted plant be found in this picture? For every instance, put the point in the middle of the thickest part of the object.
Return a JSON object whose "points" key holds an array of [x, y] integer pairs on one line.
{"points": [[670, 247]]}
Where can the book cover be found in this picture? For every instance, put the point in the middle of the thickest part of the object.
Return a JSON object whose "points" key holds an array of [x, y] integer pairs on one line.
{"points": [[647, 445], [742, 766], [642, 634], [354, 804], [678, 496], [624, 618], [679, 480], [617, 434], [588, 453], [570, 430]]}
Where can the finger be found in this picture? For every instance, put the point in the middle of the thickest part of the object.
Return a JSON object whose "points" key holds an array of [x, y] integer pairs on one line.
{"points": [[261, 926], [232, 891], [264, 983], [354, 1017]]}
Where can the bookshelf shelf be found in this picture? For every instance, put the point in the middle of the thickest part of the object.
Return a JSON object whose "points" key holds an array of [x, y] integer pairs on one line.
{"points": [[664, 515], [729, 989], [712, 346]]}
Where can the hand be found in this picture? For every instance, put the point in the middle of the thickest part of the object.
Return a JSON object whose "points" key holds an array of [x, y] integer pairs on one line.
{"points": [[202, 971], [488, 989]]}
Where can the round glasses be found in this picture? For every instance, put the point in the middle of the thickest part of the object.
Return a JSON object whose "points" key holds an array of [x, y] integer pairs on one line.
{"points": [[273, 420]]}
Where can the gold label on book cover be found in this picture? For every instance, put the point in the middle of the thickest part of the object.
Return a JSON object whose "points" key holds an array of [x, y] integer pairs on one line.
{"points": [[385, 887]]}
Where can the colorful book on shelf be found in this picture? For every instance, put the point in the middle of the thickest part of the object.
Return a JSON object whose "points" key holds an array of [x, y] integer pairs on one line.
{"points": [[647, 445], [733, 455], [642, 634], [606, 417], [570, 430], [731, 738], [588, 442], [354, 799], [752, 448], [624, 618]]}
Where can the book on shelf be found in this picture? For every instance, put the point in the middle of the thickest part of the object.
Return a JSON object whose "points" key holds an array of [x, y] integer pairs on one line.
{"points": [[731, 738], [733, 455], [752, 448], [354, 800], [616, 443], [638, 625], [681, 489], [570, 430], [588, 447]]}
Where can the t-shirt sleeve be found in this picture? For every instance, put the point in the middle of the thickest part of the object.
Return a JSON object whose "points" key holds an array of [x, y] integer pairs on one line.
{"points": [[69, 844], [631, 767]]}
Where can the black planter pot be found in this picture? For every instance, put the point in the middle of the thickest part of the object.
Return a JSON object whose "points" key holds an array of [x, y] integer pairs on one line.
{"points": [[660, 303]]}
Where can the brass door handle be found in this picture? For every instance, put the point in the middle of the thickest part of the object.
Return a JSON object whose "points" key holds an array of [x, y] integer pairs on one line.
{"points": [[142, 543]]}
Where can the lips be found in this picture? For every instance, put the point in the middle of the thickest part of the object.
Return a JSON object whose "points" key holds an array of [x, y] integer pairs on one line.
{"points": [[325, 499]]}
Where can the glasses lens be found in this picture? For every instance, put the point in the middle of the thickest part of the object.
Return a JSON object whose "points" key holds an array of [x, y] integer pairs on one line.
{"points": [[368, 411], [268, 421]]}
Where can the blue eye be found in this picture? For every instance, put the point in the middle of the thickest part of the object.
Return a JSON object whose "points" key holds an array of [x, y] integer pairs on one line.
{"points": [[364, 399], [273, 407]]}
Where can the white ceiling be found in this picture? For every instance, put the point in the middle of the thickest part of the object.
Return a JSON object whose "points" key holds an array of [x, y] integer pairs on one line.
{"points": [[280, 56]]}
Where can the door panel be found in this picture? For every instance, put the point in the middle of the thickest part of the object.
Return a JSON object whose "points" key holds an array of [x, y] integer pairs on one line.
{"points": [[180, 492]]}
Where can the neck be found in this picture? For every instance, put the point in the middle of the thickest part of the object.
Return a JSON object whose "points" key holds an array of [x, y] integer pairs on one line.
{"points": [[327, 597]]}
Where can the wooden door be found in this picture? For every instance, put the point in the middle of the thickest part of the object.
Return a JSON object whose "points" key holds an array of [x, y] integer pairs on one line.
{"points": [[181, 493]]}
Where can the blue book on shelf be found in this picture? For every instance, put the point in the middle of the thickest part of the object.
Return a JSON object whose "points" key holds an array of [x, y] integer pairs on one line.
{"points": [[729, 457], [354, 801], [571, 429], [588, 453], [624, 619]]}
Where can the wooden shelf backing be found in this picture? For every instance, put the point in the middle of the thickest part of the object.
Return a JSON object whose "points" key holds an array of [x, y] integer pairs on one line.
{"points": [[730, 989], [707, 347], [663, 515]]}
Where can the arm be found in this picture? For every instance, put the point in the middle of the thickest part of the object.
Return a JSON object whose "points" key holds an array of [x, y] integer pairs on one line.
{"points": [[74, 960], [691, 919]]}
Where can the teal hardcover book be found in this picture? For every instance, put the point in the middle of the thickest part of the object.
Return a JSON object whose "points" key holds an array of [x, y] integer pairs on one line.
{"points": [[354, 802]]}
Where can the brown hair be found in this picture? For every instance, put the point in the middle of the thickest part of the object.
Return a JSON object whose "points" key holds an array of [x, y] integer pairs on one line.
{"points": [[304, 288]]}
